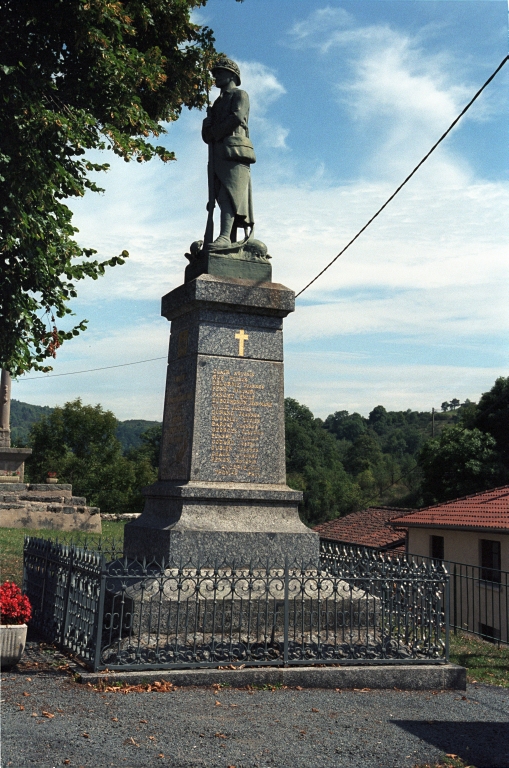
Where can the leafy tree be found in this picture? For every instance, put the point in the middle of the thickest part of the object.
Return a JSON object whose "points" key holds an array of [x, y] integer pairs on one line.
{"points": [[445, 406], [78, 442], [76, 76], [150, 446], [313, 466], [364, 454], [346, 426], [378, 419], [460, 462], [454, 403], [492, 416]]}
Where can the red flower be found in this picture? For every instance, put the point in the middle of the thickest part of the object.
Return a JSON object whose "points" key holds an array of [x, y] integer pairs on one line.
{"points": [[15, 608], [52, 474]]}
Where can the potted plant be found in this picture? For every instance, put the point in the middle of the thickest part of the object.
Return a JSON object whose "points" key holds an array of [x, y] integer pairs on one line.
{"points": [[15, 611], [52, 477]]}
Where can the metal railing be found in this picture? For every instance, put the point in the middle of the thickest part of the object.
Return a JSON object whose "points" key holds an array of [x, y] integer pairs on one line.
{"points": [[479, 597], [119, 613]]}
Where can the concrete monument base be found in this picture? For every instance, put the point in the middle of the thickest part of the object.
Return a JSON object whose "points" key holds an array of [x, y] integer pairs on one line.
{"points": [[205, 523]]}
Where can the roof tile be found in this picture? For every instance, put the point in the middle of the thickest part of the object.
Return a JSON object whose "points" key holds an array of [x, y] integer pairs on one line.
{"points": [[486, 510], [367, 528]]}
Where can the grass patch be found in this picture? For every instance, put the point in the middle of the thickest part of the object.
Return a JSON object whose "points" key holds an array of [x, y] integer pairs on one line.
{"points": [[11, 544], [485, 662]]}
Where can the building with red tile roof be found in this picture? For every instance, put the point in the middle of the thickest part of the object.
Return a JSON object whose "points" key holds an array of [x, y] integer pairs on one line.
{"points": [[472, 535], [484, 511], [367, 528]]}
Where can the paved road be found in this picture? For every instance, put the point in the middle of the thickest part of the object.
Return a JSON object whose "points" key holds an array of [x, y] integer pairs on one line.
{"points": [[194, 728]]}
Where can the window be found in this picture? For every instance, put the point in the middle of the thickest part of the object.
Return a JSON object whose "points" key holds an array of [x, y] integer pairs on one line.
{"points": [[436, 546], [490, 560]]}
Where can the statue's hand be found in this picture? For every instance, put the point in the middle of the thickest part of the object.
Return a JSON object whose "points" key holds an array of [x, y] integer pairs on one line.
{"points": [[207, 122]]}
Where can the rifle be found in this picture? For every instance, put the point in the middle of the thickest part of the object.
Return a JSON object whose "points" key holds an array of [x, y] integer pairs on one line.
{"points": [[209, 229]]}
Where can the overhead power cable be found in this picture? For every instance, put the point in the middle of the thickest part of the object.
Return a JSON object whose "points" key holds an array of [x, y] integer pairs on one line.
{"points": [[359, 233], [90, 370]]}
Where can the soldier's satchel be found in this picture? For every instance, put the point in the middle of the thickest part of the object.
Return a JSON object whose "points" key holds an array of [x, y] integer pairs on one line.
{"points": [[239, 148]]}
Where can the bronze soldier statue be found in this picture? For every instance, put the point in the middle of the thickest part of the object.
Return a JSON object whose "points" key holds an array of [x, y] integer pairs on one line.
{"points": [[225, 130]]}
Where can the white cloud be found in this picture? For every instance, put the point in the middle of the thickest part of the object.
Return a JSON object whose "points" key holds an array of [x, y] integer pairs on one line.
{"points": [[264, 89], [359, 385]]}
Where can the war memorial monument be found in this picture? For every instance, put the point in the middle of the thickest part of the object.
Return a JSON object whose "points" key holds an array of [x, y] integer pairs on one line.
{"points": [[221, 494]]}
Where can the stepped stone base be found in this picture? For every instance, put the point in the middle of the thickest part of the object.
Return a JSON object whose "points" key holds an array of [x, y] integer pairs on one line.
{"points": [[205, 523], [28, 505]]}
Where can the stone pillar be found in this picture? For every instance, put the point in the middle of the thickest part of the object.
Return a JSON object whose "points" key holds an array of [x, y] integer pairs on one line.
{"points": [[5, 409], [12, 460], [221, 493]]}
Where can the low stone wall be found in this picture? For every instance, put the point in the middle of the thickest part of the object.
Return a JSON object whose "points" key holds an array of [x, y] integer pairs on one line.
{"points": [[45, 506]]}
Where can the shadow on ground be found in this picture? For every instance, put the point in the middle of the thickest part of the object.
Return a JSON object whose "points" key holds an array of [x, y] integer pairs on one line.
{"points": [[483, 744]]}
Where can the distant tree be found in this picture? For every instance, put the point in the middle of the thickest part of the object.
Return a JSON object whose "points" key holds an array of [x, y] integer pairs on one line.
{"points": [[454, 403], [460, 462], [313, 466], [364, 454], [150, 446], [445, 406], [78, 442], [378, 419], [492, 416], [346, 426]]}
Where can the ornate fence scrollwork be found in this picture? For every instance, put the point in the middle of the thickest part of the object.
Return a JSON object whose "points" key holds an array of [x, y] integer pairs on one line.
{"points": [[120, 613]]}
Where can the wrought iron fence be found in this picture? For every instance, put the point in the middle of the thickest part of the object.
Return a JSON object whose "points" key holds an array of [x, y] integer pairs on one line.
{"points": [[119, 613], [479, 597]]}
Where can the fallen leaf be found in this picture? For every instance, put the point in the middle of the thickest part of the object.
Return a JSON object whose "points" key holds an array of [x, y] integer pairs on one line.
{"points": [[338, 690], [86, 735], [115, 719], [21, 707], [298, 688], [29, 679], [218, 704], [220, 735], [151, 738], [59, 710], [143, 721], [464, 698], [66, 761], [34, 714], [47, 714], [160, 755], [303, 733], [25, 693], [314, 709]]}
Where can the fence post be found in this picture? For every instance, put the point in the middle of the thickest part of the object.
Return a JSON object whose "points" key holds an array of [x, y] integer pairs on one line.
{"points": [[98, 630], [287, 614], [455, 602], [447, 618], [67, 599]]}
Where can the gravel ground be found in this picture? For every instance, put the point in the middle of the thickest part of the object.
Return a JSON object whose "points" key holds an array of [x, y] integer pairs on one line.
{"points": [[49, 720]]}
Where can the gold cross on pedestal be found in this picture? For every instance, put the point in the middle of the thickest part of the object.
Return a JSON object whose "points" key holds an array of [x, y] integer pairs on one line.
{"points": [[242, 337]]}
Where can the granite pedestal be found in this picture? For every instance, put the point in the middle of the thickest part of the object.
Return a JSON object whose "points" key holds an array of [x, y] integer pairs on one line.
{"points": [[221, 493]]}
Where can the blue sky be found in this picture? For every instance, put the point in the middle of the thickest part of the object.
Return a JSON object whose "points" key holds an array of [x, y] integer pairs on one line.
{"points": [[346, 97]]}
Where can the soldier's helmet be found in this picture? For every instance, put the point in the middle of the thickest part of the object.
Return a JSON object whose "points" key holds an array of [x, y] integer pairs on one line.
{"points": [[223, 62]]}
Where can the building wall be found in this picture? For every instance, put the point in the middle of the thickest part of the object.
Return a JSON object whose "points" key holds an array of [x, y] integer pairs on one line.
{"points": [[459, 546], [475, 605]]}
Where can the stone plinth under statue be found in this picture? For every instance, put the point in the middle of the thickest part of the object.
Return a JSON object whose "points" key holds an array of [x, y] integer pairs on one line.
{"points": [[222, 493]]}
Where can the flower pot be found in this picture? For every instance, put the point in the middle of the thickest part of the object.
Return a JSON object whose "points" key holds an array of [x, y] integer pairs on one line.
{"points": [[12, 643], [9, 479], [52, 479]]}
